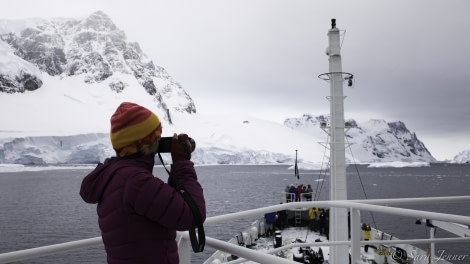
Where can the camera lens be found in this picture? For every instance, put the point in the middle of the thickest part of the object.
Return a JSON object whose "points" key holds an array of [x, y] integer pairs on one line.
{"points": [[164, 145]]}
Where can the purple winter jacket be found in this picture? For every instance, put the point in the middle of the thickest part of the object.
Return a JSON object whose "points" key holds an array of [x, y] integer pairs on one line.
{"points": [[139, 214]]}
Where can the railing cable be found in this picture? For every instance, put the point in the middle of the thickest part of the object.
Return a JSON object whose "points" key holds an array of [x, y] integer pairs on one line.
{"points": [[360, 180], [321, 179]]}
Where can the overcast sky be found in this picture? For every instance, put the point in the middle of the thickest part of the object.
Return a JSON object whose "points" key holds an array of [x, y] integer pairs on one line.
{"points": [[410, 59]]}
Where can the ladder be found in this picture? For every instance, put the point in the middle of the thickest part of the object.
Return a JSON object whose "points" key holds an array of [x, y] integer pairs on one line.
{"points": [[298, 217]]}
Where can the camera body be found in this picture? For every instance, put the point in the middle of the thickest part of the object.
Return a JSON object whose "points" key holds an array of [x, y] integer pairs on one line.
{"points": [[164, 145]]}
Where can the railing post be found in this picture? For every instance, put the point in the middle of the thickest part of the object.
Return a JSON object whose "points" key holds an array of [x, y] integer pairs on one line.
{"points": [[184, 248], [355, 229], [433, 245]]}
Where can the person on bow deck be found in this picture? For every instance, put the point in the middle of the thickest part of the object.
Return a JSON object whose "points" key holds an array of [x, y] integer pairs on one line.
{"points": [[292, 193], [299, 193], [309, 193], [312, 213], [139, 214]]}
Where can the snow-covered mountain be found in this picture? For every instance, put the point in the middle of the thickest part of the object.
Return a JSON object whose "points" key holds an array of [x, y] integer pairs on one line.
{"points": [[462, 157], [92, 49], [61, 80], [372, 141]]}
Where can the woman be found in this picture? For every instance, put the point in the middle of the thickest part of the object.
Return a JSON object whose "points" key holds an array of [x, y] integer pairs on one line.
{"points": [[139, 214]]}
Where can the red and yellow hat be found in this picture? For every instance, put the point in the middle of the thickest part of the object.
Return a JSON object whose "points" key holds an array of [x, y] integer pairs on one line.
{"points": [[133, 128]]}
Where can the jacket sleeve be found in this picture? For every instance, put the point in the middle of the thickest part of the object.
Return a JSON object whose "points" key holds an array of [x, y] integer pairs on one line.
{"points": [[149, 196], [186, 175]]}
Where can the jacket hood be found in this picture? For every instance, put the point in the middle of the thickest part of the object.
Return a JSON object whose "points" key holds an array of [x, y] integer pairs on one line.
{"points": [[94, 184]]}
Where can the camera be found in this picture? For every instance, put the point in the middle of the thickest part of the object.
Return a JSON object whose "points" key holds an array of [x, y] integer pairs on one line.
{"points": [[164, 146]]}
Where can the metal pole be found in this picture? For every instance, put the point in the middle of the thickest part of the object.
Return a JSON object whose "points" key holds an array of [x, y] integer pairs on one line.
{"points": [[338, 188], [355, 235]]}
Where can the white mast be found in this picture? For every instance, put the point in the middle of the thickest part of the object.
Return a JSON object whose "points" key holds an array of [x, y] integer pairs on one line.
{"points": [[338, 187]]}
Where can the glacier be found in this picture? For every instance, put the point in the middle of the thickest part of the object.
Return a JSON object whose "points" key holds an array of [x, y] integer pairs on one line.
{"points": [[232, 140]]}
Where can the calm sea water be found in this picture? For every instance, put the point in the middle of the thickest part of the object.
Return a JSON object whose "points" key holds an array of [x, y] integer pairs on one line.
{"points": [[44, 207]]}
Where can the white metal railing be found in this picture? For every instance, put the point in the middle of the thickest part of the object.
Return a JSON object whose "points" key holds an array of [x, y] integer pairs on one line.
{"points": [[293, 197], [49, 250], [378, 205], [215, 243]]}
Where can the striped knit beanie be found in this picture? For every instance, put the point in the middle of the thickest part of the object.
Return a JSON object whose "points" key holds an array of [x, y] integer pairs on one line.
{"points": [[133, 128]]}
